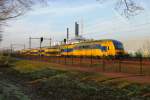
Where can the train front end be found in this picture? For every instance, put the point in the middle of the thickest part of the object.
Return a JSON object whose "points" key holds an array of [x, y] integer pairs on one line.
{"points": [[119, 49]]}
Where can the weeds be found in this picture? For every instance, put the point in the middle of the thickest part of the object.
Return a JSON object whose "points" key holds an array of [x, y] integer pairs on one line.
{"points": [[6, 61], [11, 92], [52, 84]]}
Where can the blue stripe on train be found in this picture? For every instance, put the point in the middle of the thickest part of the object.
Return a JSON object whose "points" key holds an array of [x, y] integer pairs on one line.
{"points": [[67, 50], [103, 48], [97, 46]]}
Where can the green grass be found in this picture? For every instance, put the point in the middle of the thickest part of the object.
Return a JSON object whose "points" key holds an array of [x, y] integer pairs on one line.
{"points": [[51, 83], [11, 92], [6, 61], [29, 66]]}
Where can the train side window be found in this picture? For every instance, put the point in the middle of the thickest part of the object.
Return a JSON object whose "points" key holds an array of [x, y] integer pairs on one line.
{"points": [[77, 47], [108, 48], [84, 47], [80, 47], [87, 47], [104, 48], [93, 46]]}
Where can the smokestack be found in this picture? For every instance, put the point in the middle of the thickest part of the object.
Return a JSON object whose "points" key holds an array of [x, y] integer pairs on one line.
{"points": [[76, 29], [67, 34]]}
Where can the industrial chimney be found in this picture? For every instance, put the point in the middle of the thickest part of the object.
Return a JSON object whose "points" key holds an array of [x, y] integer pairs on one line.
{"points": [[76, 29]]}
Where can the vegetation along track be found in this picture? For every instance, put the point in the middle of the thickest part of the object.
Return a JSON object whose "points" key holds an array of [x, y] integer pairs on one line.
{"points": [[133, 66], [32, 80]]}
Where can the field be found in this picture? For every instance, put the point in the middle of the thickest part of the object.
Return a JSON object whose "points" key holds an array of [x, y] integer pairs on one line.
{"points": [[32, 80], [130, 66]]}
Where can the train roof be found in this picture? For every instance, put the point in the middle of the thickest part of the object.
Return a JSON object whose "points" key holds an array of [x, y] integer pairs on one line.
{"points": [[88, 41], [102, 40]]}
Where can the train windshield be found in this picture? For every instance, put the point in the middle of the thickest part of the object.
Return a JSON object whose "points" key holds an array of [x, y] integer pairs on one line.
{"points": [[118, 45]]}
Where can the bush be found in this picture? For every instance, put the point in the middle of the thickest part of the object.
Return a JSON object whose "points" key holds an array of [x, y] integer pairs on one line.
{"points": [[5, 61], [138, 54]]}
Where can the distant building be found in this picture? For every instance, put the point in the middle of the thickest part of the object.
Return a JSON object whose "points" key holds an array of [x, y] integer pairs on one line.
{"points": [[76, 40]]}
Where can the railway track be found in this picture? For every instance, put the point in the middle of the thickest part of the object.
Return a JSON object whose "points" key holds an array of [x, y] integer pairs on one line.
{"points": [[132, 66], [90, 60]]}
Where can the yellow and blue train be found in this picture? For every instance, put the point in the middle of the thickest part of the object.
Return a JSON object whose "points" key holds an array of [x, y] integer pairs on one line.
{"points": [[97, 48]]}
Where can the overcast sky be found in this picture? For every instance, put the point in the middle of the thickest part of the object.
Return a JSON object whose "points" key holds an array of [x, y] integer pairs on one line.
{"points": [[100, 21]]}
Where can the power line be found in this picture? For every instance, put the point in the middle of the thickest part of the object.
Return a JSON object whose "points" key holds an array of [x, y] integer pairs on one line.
{"points": [[124, 30], [96, 26]]}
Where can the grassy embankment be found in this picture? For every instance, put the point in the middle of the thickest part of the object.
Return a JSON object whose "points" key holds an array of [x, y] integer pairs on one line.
{"points": [[51, 82], [41, 81]]}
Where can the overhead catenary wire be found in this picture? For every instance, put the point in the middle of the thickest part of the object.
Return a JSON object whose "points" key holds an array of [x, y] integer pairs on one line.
{"points": [[135, 26]]}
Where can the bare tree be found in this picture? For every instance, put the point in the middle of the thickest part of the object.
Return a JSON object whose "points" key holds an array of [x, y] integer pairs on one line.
{"points": [[14, 8], [127, 8]]}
